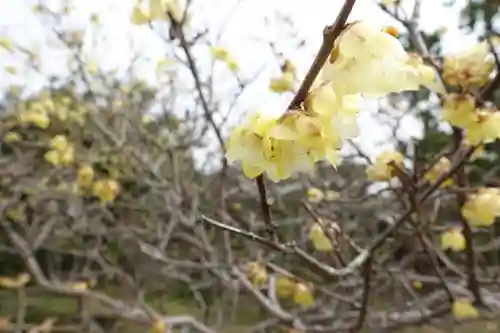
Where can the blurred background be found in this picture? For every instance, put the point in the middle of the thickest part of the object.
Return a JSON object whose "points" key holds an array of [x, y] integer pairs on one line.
{"points": [[142, 111]]}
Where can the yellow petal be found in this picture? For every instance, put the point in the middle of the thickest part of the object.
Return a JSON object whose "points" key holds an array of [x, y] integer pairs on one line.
{"points": [[303, 295], [20, 281], [159, 327], [453, 239], [139, 17], [285, 287], [320, 241], [315, 195], [463, 309]]}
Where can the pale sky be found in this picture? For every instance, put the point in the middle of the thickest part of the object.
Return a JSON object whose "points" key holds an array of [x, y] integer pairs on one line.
{"points": [[244, 34]]}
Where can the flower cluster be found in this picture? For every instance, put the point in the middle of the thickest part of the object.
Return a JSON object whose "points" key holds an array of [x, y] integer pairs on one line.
{"points": [[61, 153], [440, 168], [365, 62], [480, 210], [285, 287], [481, 124], [384, 167], [483, 207], [469, 69]]}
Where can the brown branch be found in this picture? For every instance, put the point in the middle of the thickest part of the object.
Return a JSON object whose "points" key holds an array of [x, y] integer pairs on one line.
{"points": [[141, 314], [265, 209], [330, 34], [471, 261], [366, 295]]}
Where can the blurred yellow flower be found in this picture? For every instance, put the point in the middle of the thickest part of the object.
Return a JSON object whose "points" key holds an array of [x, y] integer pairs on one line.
{"points": [[483, 207], [303, 295], [441, 167], [320, 240], [59, 143], [10, 137], [463, 309], [15, 283], [285, 287], [381, 170], [453, 239], [315, 195], [106, 189], [85, 176]]}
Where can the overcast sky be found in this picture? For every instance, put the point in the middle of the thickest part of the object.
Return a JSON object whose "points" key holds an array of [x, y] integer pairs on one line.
{"points": [[244, 35]]}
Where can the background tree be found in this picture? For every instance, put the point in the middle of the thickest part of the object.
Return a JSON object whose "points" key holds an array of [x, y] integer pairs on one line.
{"points": [[120, 212]]}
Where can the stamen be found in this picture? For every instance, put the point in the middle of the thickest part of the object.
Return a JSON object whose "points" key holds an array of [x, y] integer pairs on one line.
{"points": [[393, 31]]}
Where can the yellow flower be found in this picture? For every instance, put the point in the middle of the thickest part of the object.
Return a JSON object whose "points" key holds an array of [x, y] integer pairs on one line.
{"points": [[470, 68], [381, 170], [236, 206], [453, 239], [16, 213], [459, 110], [260, 278], [92, 68], [67, 156], [257, 274], [10, 137], [315, 195], [106, 190], [59, 143], [282, 84], [463, 309], [485, 129], [313, 135], [297, 139], [417, 284], [85, 176], [139, 16], [371, 61], [260, 149], [440, 168], [11, 70], [302, 295], [94, 18], [38, 8], [320, 241], [6, 44], [222, 54], [233, 65], [52, 157], [289, 68], [159, 327], [147, 119], [18, 282], [36, 118], [478, 153], [339, 115], [77, 286], [285, 287], [389, 2], [483, 207]]}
